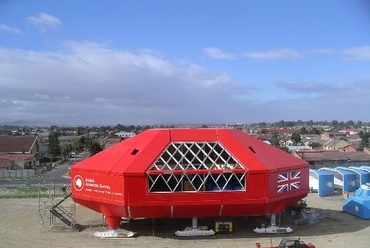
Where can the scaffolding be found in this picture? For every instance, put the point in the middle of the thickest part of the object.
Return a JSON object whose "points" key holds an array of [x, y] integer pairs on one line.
{"points": [[56, 208]]}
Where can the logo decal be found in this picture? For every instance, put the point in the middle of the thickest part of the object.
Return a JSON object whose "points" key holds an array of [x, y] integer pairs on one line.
{"points": [[78, 183]]}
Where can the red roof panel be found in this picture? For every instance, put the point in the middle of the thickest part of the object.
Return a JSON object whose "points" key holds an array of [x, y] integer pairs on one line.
{"points": [[142, 152], [193, 134], [135, 155]]}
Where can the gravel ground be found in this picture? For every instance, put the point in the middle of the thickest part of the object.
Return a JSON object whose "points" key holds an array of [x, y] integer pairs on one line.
{"points": [[21, 227]]}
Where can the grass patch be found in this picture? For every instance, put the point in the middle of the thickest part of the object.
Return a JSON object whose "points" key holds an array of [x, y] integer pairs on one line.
{"points": [[42, 191]]}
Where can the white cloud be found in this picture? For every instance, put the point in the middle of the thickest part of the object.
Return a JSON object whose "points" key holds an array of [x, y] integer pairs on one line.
{"points": [[41, 96], [357, 53], [216, 53], [113, 86], [92, 83], [289, 54], [313, 87], [8, 29], [44, 21], [330, 101]]}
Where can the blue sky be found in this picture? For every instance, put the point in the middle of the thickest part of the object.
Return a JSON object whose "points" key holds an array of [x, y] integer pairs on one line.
{"points": [[148, 62]]}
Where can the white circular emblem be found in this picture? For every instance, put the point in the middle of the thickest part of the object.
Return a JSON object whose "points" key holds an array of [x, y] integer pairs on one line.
{"points": [[78, 183]]}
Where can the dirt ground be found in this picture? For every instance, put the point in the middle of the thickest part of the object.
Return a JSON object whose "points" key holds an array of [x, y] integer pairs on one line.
{"points": [[23, 224]]}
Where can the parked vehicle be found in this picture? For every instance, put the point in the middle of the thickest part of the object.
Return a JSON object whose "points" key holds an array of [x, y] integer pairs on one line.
{"points": [[290, 242]]}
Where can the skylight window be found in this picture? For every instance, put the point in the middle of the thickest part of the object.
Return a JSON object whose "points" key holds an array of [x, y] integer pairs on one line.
{"points": [[195, 166]]}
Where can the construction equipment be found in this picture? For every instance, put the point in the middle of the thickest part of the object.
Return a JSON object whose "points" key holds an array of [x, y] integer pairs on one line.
{"points": [[289, 242], [224, 227]]}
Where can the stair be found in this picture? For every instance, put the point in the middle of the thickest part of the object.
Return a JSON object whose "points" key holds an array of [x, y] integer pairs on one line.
{"points": [[65, 197], [63, 215]]}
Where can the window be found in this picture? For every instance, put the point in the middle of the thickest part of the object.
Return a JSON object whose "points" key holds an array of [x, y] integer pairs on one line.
{"points": [[196, 166]]}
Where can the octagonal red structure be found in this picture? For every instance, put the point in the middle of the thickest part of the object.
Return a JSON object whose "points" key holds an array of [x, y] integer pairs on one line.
{"points": [[164, 173]]}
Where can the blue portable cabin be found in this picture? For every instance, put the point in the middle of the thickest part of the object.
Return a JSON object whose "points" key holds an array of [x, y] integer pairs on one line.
{"points": [[322, 181], [358, 179], [359, 205], [365, 168], [349, 180], [344, 180], [313, 180], [363, 174], [338, 178]]}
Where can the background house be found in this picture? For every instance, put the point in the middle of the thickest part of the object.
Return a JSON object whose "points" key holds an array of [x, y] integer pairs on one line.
{"points": [[348, 130], [125, 135], [333, 158], [18, 153], [332, 135], [5, 163]]}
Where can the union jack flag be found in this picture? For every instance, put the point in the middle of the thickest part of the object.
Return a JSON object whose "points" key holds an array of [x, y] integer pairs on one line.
{"points": [[288, 181], [295, 185], [282, 178], [282, 188], [295, 175]]}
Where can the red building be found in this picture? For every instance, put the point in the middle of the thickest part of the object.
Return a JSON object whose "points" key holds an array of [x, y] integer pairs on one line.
{"points": [[164, 173]]}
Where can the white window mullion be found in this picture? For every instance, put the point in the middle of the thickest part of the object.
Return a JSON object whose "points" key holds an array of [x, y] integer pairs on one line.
{"points": [[153, 182]]}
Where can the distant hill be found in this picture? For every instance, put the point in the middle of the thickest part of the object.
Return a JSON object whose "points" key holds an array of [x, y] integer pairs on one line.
{"points": [[30, 123]]}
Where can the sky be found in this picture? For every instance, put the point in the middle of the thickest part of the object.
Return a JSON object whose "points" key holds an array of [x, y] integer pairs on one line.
{"points": [[110, 62]]}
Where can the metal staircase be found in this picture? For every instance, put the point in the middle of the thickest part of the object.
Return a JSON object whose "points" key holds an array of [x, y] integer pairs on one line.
{"points": [[65, 215], [56, 211]]}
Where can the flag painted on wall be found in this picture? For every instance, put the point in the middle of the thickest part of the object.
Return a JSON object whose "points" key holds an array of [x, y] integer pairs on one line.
{"points": [[288, 181]]}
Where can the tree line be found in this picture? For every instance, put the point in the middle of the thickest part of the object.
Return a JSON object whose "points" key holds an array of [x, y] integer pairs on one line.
{"points": [[82, 143]]}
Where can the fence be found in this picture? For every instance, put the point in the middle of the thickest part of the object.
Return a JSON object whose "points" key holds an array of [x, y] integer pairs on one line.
{"points": [[32, 191], [27, 172], [17, 173]]}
